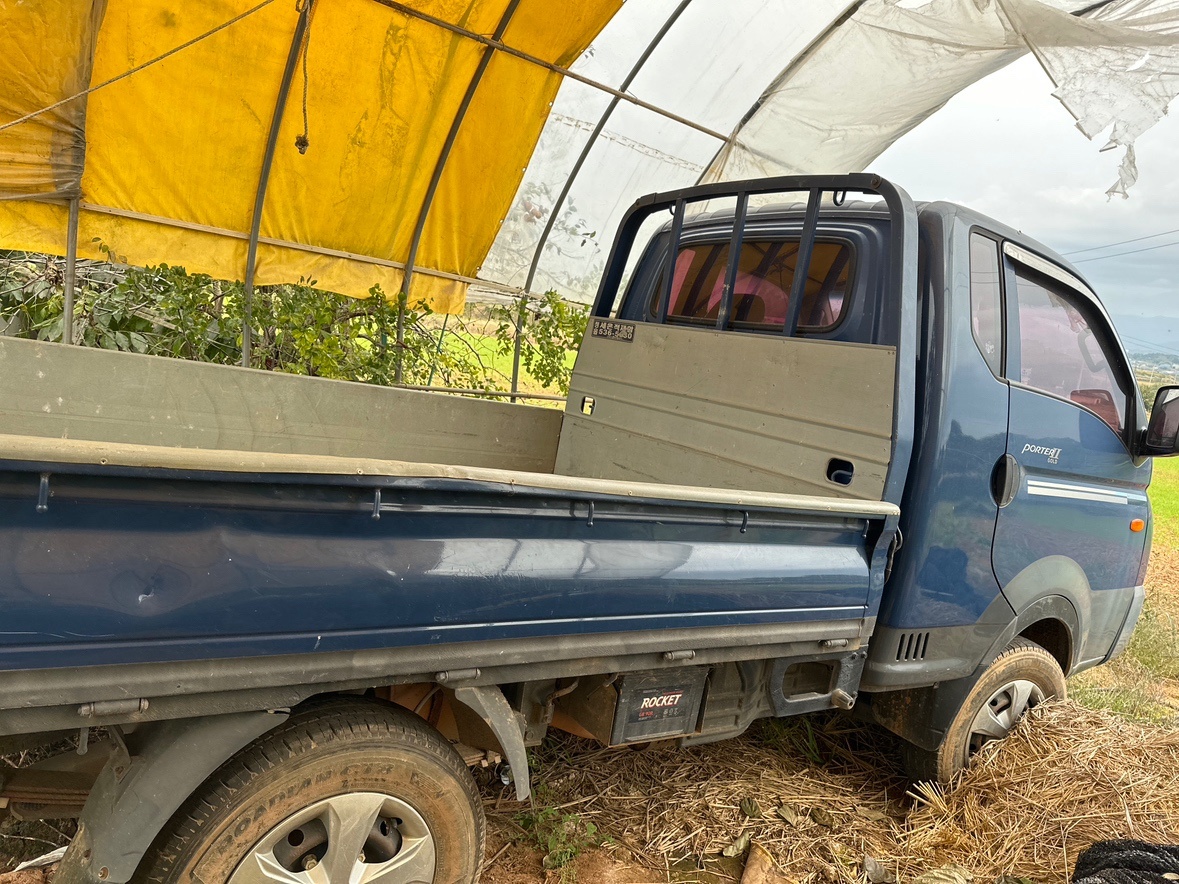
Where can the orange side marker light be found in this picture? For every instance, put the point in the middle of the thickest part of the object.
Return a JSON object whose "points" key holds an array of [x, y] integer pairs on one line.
{"points": [[1137, 525]]}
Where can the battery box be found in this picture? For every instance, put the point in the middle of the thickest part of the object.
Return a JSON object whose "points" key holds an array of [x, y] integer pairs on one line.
{"points": [[657, 705]]}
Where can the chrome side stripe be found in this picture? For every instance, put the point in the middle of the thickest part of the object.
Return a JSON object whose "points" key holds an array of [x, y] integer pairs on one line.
{"points": [[1042, 488]]}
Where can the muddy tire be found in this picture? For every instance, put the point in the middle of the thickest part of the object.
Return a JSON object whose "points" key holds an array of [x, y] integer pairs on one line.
{"points": [[343, 783], [1021, 677]]}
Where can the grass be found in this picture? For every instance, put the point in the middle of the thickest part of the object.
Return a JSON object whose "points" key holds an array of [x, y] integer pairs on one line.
{"points": [[486, 347], [1156, 640], [795, 734], [478, 339], [560, 837], [1026, 808], [1164, 500]]}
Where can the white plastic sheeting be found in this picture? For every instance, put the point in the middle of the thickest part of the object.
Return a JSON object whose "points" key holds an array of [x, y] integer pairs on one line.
{"points": [[851, 79], [711, 66]]}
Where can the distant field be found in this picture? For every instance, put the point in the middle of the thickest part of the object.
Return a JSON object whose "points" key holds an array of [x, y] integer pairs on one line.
{"points": [[486, 348]]}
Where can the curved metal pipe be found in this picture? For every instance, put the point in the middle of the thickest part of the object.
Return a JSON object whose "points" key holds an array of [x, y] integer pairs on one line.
{"points": [[284, 90], [634, 72], [448, 145], [850, 10], [71, 273]]}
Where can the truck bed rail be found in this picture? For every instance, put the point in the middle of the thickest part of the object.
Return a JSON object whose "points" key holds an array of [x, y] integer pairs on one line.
{"points": [[28, 453]]}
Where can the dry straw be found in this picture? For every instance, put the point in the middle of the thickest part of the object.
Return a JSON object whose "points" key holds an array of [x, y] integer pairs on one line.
{"points": [[821, 793]]}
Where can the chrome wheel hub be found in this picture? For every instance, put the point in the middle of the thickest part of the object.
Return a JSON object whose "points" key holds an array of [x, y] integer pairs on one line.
{"points": [[1001, 712], [358, 838]]}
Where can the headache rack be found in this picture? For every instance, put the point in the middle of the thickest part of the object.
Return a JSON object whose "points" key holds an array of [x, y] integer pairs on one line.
{"points": [[901, 271]]}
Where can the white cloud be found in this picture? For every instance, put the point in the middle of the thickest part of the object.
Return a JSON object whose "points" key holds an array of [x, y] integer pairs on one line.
{"points": [[1007, 148]]}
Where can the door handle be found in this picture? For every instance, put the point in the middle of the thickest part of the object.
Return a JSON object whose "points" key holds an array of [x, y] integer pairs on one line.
{"points": [[1006, 478]]}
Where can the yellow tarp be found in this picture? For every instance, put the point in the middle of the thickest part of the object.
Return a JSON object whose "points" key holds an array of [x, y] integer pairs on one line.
{"points": [[166, 161]]}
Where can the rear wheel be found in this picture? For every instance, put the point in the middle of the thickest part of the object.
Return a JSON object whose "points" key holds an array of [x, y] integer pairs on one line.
{"points": [[345, 791], [1022, 677]]}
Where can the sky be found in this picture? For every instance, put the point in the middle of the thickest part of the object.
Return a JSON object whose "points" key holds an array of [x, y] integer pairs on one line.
{"points": [[1007, 148]]}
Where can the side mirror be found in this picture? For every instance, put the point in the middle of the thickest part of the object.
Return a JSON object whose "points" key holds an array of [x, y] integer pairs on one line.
{"points": [[1162, 434]]}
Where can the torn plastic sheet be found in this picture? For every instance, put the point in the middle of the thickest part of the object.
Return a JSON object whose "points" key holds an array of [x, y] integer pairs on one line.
{"points": [[1117, 70]]}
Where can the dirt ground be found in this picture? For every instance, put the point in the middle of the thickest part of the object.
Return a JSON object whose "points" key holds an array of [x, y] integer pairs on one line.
{"points": [[29, 876], [822, 799]]}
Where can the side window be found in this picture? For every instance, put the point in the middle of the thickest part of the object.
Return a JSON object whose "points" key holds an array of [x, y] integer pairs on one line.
{"points": [[986, 315], [1063, 352], [765, 274]]}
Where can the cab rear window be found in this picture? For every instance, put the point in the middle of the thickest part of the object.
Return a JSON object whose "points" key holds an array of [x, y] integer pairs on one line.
{"points": [[765, 275]]}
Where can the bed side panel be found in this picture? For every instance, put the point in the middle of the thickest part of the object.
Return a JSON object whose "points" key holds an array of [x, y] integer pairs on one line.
{"points": [[55, 391]]}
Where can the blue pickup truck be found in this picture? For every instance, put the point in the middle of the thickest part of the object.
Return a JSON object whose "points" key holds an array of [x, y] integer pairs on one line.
{"points": [[818, 453]]}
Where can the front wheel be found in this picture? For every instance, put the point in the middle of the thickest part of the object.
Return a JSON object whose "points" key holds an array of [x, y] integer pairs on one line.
{"points": [[346, 790], [1022, 677]]}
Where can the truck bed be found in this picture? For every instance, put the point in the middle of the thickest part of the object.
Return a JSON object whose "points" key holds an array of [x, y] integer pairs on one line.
{"points": [[188, 576], [172, 573]]}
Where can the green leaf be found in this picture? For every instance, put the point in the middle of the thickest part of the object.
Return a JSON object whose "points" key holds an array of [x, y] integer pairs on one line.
{"points": [[738, 847], [751, 808], [951, 874]]}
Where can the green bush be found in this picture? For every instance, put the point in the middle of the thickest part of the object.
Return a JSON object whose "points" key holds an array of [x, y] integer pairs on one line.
{"points": [[166, 311]]}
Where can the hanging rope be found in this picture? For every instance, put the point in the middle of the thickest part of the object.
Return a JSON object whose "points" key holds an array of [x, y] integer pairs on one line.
{"points": [[137, 68], [303, 141]]}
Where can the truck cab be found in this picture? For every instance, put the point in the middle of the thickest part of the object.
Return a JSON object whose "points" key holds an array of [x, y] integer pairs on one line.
{"points": [[1024, 514], [1027, 505]]}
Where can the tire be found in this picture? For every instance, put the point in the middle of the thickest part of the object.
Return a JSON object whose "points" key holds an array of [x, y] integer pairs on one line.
{"points": [[1021, 677], [343, 781]]}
